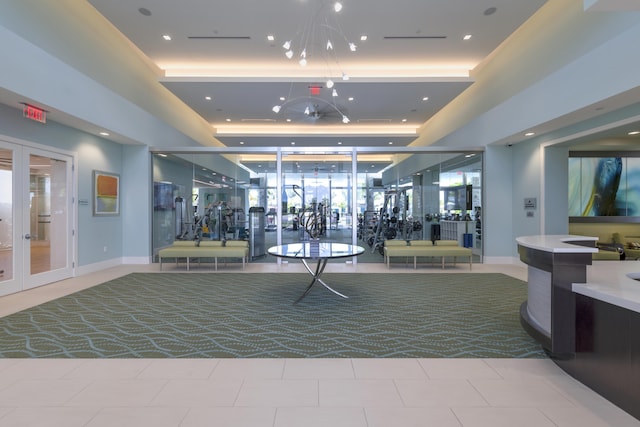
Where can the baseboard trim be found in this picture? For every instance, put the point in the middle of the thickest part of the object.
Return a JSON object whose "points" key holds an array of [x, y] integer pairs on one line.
{"points": [[98, 266], [500, 260]]}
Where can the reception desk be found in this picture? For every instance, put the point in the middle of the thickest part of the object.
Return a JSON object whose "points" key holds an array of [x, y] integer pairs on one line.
{"points": [[554, 263], [586, 316], [607, 354]]}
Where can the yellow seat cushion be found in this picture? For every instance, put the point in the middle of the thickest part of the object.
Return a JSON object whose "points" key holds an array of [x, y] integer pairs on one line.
{"points": [[183, 243], [421, 243], [237, 244], [211, 243], [446, 242], [388, 243]]}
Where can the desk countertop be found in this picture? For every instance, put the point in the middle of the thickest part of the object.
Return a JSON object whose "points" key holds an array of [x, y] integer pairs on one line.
{"points": [[557, 243], [613, 282]]}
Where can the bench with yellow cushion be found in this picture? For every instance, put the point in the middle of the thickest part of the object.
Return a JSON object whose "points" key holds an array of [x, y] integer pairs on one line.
{"points": [[425, 248], [206, 249]]}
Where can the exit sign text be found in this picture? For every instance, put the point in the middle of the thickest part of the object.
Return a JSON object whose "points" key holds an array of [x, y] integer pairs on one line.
{"points": [[34, 113]]}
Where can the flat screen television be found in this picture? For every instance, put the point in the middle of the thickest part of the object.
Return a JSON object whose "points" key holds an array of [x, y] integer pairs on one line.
{"points": [[163, 196]]}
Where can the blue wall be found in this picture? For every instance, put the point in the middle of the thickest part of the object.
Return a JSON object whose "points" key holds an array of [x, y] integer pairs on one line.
{"points": [[93, 153]]}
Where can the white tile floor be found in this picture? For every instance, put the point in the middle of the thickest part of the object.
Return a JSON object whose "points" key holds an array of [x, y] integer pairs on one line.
{"points": [[290, 392]]}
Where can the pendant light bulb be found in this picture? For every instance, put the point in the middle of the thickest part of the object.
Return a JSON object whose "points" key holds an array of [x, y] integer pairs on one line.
{"points": [[306, 110], [337, 6], [334, 93], [289, 54], [329, 83], [287, 45], [329, 45], [345, 77], [345, 119], [276, 109], [303, 62], [353, 47]]}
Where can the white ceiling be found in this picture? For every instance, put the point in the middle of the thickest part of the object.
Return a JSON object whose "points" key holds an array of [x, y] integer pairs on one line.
{"points": [[415, 49]]}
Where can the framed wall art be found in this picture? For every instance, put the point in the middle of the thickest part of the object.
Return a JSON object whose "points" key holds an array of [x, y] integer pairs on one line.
{"points": [[106, 193]]}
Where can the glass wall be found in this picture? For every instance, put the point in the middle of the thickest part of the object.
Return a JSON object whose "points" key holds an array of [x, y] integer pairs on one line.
{"points": [[384, 195], [316, 197]]}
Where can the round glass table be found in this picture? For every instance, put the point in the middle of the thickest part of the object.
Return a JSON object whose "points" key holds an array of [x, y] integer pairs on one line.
{"points": [[320, 251]]}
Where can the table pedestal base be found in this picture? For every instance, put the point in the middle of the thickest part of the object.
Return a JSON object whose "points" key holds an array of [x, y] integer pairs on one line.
{"points": [[322, 263]]}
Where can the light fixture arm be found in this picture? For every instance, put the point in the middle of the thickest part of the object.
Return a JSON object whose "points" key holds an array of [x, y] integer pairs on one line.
{"points": [[311, 100]]}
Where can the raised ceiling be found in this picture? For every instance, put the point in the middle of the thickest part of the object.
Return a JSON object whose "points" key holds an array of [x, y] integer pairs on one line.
{"points": [[414, 62]]}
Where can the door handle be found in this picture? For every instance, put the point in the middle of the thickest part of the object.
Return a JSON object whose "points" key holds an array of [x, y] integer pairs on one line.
{"points": [[27, 236]]}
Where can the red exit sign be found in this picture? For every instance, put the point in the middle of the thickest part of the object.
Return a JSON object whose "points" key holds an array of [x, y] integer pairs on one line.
{"points": [[34, 113]]}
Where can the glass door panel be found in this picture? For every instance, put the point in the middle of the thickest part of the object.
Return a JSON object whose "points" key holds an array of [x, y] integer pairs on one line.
{"points": [[7, 250], [316, 197], [47, 251]]}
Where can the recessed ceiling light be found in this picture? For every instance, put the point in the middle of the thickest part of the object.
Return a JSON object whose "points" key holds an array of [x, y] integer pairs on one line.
{"points": [[426, 98], [282, 98], [241, 142], [339, 142], [293, 143], [270, 37], [490, 11], [364, 37], [466, 37], [350, 98], [107, 133], [404, 120], [390, 142], [167, 37], [208, 98], [228, 120], [529, 134], [635, 132]]}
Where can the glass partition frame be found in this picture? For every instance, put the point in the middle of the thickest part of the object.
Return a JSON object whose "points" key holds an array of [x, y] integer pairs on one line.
{"points": [[419, 196]]}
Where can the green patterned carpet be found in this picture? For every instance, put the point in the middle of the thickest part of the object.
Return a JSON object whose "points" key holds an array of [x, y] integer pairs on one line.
{"points": [[205, 315]]}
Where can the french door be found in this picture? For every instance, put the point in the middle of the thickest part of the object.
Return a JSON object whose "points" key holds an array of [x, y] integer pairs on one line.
{"points": [[36, 217]]}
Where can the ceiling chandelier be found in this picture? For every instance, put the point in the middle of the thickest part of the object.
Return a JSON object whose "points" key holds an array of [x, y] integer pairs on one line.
{"points": [[318, 33], [316, 41]]}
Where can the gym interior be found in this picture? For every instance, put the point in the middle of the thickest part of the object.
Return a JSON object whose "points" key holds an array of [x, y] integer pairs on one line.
{"points": [[360, 198]]}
